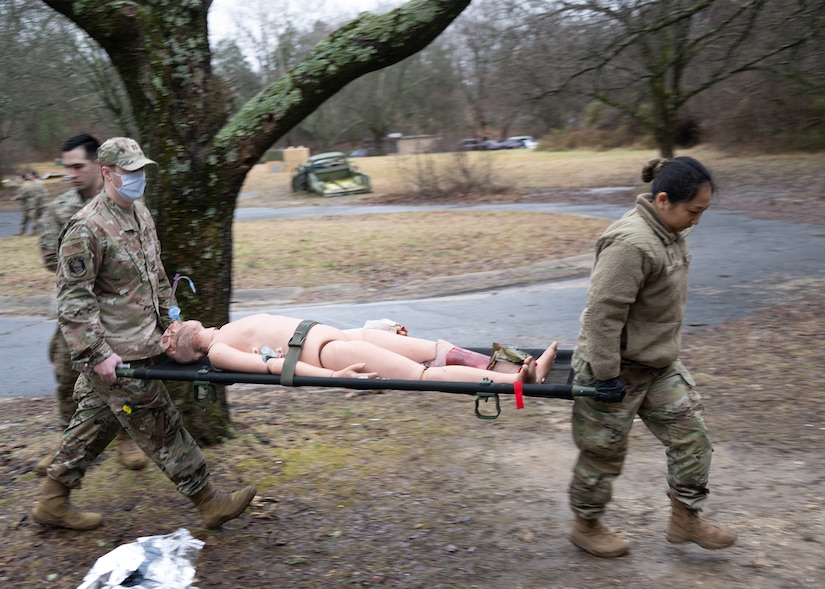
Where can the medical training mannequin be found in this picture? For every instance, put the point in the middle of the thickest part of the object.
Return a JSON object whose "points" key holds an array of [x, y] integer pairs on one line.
{"points": [[330, 352]]}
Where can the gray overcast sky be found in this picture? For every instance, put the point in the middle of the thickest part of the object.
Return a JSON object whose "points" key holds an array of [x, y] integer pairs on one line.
{"points": [[224, 13]]}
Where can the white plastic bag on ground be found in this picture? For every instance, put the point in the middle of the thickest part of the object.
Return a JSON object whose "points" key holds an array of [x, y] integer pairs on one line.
{"points": [[151, 562]]}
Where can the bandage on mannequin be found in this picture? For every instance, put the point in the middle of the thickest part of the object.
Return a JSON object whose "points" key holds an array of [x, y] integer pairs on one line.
{"points": [[447, 354]]}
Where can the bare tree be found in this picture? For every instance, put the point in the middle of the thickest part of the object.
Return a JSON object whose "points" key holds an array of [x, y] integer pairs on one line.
{"points": [[271, 36], [416, 96], [181, 111], [230, 63], [37, 49], [648, 59], [475, 50]]}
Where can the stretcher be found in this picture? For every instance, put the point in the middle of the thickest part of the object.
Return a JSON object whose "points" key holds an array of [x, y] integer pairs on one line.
{"points": [[204, 378]]}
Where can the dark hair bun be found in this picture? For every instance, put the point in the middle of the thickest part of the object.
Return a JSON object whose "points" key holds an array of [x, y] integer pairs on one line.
{"points": [[652, 168]]}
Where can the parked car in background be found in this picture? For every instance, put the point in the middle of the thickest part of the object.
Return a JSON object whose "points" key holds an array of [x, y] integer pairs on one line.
{"points": [[471, 145], [330, 174], [363, 152], [512, 144], [522, 141], [493, 144]]}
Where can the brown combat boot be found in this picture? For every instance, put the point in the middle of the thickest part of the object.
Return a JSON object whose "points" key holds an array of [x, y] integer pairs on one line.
{"points": [[53, 509], [687, 526], [218, 507], [592, 536], [129, 453]]}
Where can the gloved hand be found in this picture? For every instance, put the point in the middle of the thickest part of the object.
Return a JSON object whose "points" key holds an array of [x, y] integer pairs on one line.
{"points": [[611, 390]]}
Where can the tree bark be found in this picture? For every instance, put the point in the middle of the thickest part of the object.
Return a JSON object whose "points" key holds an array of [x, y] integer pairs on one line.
{"points": [[204, 154]]}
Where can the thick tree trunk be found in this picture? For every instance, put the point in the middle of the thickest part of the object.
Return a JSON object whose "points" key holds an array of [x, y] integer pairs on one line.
{"points": [[163, 56]]}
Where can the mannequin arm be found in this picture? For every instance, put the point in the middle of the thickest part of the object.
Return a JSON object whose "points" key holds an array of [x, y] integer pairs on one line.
{"points": [[225, 357]]}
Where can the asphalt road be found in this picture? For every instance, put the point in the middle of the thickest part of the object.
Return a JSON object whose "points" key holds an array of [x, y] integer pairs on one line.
{"points": [[740, 265]]}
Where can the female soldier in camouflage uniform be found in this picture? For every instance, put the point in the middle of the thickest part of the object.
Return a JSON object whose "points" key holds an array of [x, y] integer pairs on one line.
{"points": [[628, 348]]}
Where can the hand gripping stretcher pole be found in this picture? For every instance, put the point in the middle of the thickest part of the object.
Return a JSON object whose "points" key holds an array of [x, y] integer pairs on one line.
{"points": [[204, 378]]}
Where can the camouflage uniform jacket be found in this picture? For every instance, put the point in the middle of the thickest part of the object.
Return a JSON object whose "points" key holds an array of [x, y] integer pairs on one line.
{"points": [[113, 295], [56, 216], [637, 295]]}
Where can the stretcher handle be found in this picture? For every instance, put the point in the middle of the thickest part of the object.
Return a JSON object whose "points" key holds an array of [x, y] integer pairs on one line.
{"points": [[551, 391]]}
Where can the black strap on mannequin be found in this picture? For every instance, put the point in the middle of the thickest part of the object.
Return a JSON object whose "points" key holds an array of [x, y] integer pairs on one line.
{"points": [[296, 342]]}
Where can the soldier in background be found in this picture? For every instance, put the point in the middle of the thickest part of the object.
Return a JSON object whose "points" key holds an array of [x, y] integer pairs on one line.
{"points": [[32, 195], [113, 301], [79, 158]]}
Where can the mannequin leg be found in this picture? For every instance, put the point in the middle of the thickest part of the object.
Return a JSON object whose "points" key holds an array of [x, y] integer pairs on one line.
{"points": [[532, 371], [388, 364], [414, 348], [339, 354], [440, 353]]}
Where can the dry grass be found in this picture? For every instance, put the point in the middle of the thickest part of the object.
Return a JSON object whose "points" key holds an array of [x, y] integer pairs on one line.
{"points": [[368, 251], [521, 169], [384, 249], [22, 273], [529, 171]]}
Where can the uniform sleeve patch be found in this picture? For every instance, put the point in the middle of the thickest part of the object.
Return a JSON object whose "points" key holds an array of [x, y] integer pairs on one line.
{"points": [[77, 266]]}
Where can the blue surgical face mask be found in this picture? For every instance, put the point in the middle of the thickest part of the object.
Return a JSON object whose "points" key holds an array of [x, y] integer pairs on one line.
{"points": [[132, 185]]}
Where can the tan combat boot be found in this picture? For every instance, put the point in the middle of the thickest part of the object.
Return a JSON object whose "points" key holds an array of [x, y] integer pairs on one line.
{"points": [[687, 526], [592, 536], [129, 453], [53, 509], [217, 507]]}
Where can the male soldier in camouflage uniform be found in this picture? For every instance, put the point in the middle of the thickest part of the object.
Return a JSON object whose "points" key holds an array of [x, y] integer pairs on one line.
{"points": [[113, 299], [32, 194], [79, 157]]}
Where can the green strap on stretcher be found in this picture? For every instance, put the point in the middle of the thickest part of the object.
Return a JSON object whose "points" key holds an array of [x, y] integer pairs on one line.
{"points": [[296, 342]]}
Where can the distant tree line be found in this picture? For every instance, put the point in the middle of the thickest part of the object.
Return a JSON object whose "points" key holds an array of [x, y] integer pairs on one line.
{"points": [[669, 73]]}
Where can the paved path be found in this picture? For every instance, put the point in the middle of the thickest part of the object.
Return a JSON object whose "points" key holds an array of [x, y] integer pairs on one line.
{"points": [[739, 265]]}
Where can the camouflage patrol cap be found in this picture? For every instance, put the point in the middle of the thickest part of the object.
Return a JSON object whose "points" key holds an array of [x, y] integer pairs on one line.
{"points": [[124, 153]]}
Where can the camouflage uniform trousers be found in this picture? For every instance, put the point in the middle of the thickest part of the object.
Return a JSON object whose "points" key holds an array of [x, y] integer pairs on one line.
{"points": [[65, 375], [37, 223], [671, 409], [145, 410], [32, 199], [31, 216]]}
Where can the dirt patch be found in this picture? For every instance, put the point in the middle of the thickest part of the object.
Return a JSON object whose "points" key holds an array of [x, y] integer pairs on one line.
{"points": [[412, 490], [405, 490]]}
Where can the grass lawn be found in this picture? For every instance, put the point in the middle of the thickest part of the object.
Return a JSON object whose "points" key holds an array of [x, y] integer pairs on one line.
{"points": [[383, 249]]}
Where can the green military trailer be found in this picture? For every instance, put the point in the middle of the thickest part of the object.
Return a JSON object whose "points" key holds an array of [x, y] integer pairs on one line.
{"points": [[330, 174]]}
